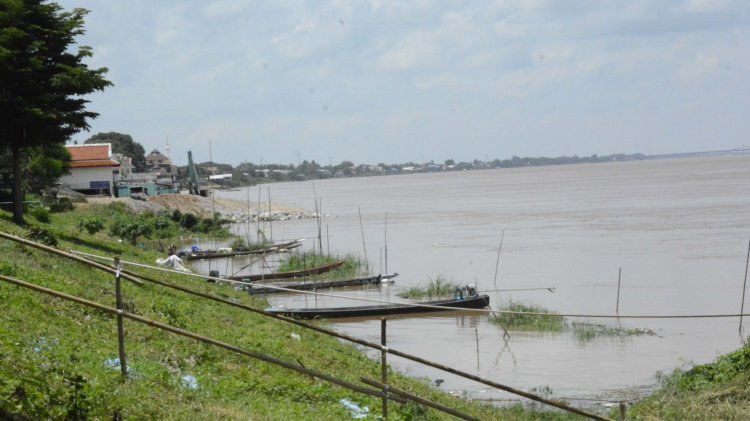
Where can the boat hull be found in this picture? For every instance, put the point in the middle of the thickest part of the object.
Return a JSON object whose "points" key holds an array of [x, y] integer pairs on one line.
{"points": [[313, 285], [477, 302]]}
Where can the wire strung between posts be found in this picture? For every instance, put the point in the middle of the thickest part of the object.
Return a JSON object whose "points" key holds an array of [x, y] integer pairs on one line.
{"points": [[392, 351], [468, 310], [192, 335], [550, 289]]}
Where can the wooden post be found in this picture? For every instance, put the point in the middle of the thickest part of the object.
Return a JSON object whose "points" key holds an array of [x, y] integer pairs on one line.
{"points": [[385, 235], [622, 411], [619, 277], [476, 334], [120, 328], [364, 246], [744, 286], [383, 367]]}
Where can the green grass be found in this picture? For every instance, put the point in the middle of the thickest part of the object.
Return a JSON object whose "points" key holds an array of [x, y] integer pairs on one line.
{"points": [[716, 391], [54, 354], [585, 332], [352, 267], [436, 288], [544, 321]]}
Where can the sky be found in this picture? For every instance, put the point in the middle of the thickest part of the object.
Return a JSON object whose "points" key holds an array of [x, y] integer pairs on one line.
{"points": [[417, 80]]}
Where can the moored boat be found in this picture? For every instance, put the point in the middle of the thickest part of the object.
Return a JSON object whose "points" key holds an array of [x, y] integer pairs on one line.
{"points": [[315, 284], [456, 303], [288, 275], [229, 252]]}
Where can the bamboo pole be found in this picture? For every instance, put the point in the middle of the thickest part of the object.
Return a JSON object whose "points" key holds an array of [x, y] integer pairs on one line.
{"points": [[68, 255], [120, 327], [497, 262], [619, 277], [744, 287], [385, 242], [364, 245], [270, 214], [422, 401], [192, 335], [384, 367], [395, 352]]}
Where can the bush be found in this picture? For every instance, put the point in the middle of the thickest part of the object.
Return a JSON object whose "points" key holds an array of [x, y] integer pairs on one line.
{"points": [[40, 213], [91, 224], [129, 229], [63, 205], [42, 235], [188, 221], [162, 222]]}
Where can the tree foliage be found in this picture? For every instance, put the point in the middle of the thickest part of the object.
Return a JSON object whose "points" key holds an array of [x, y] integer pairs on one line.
{"points": [[123, 144], [41, 166], [42, 80]]}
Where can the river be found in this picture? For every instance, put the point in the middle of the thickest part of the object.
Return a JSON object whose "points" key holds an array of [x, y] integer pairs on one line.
{"points": [[678, 229]]}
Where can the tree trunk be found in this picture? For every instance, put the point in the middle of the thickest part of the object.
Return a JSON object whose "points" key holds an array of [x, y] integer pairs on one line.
{"points": [[17, 188]]}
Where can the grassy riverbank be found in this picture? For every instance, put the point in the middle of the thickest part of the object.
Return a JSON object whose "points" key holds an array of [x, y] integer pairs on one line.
{"points": [[716, 391], [58, 359]]}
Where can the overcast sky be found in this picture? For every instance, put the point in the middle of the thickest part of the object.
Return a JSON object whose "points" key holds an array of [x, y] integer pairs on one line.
{"points": [[419, 80]]}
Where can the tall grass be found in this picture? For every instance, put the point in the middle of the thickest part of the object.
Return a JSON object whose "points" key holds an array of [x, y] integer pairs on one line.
{"points": [[716, 391], [585, 332], [436, 288], [302, 261], [542, 320]]}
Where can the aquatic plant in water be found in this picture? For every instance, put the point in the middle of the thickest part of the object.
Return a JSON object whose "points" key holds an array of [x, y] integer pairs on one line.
{"points": [[438, 287], [522, 316]]}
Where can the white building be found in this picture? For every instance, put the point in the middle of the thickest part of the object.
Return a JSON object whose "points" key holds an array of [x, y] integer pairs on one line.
{"points": [[91, 169]]}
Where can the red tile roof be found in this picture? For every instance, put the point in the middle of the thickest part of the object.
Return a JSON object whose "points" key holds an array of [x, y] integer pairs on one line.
{"points": [[95, 155]]}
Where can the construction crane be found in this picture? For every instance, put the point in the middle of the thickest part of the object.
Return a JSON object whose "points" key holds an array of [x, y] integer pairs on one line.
{"points": [[193, 184]]}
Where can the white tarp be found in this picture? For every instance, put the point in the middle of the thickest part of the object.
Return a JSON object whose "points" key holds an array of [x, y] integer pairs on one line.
{"points": [[173, 262]]}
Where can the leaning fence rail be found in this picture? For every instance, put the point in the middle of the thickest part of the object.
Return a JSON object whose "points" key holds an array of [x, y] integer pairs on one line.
{"points": [[133, 277], [205, 339], [380, 347]]}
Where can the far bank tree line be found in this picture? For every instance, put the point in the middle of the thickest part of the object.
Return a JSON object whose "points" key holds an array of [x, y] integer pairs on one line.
{"points": [[43, 166], [248, 173]]}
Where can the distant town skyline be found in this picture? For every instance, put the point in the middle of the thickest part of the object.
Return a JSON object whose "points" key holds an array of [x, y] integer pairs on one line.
{"points": [[396, 82]]}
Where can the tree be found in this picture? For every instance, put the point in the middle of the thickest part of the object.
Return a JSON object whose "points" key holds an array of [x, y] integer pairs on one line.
{"points": [[41, 166], [45, 165], [41, 82], [125, 145]]}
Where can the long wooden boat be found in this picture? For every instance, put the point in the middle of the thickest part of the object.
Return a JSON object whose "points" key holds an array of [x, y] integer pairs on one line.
{"points": [[288, 275], [478, 301], [218, 254], [313, 285]]}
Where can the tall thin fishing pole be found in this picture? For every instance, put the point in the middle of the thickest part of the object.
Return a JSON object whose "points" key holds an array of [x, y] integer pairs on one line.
{"points": [[257, 218], [385, 234], [619, 277], [364, 246], [497, 262], [744, 286], [270, 214], [247, 218], [317, 220], [320, 221]]}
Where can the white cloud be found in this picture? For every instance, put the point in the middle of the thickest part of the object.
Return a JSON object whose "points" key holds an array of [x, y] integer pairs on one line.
{"points": [[294, 74], [704, 6]]}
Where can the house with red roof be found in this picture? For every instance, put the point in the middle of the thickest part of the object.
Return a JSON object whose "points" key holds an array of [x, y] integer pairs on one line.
{"points": [[91, 169]]}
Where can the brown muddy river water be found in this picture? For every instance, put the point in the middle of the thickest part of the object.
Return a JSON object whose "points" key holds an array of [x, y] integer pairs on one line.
{"points": [[679, 229]]}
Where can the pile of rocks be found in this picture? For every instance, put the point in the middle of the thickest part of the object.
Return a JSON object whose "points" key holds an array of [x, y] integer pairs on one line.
{"points": [[264, 215]]}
